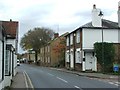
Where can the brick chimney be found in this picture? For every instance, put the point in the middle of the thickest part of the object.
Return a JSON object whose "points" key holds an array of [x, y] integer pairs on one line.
{"points": [[56, 35], [96, 19]]}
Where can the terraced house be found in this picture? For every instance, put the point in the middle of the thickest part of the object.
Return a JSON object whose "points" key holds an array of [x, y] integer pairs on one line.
{"points": [[53, 53], [80, 43], [8, 51]]}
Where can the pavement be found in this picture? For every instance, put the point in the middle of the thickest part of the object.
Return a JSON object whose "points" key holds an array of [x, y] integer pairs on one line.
{"points": [[20, 80], [91, 74]]}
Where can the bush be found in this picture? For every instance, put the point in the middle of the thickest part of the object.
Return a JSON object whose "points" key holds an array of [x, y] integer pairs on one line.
{"points": [[105, 58]]}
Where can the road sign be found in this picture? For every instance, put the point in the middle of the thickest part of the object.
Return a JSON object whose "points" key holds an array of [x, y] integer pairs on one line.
{"points": [[115, 68]]}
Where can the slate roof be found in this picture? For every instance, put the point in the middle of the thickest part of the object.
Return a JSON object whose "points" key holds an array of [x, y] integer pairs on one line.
{"points": [[11, 28], [106, 24]]}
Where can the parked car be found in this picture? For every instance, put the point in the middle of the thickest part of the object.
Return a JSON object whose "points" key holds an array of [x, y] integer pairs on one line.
{"points": [[18, 62]]}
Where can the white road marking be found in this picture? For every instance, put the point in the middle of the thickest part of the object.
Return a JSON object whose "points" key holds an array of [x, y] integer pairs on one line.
{"points": [[29, 80], [62, 80], [50, 74], [76, 87], [111, 82], [116, 84], [26, 84]]}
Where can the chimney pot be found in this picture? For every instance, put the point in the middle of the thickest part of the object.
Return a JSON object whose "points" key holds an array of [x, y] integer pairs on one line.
{"points": [[56, 35], [118, 7], [94, 6], [10, 20]]}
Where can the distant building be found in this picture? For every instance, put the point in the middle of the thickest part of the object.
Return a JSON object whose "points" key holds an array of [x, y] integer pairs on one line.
{"points": [[80, 43], [51, 54]]}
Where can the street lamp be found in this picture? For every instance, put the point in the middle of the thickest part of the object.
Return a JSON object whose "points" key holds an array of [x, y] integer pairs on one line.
{"points": [[101, 15]]}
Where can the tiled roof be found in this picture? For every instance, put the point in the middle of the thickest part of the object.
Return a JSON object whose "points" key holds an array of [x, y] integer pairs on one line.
{"points": [[11, 28], [106, 24]]}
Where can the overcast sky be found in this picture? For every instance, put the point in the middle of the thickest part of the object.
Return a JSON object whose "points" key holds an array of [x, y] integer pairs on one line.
{"points": [[60, 15]]}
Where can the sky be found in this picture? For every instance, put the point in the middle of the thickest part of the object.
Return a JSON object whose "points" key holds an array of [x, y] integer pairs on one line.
{"points": [[60, 15]]}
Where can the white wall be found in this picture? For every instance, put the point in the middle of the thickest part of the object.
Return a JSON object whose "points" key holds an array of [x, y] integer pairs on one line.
{"points": [[12, 41], [15, 64], [1, 60], [119, 36], [1, 52], [90, 36], [110, 36], [7, 81]]}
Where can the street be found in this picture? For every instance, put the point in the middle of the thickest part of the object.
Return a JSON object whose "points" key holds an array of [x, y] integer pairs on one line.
{"points": [[44, 77]]}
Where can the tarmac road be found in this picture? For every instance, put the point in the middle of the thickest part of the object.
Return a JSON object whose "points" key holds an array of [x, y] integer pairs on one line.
{"points": [[42, 77]]}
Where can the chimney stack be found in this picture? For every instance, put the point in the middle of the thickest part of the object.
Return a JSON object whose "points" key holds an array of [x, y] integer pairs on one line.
{"points": [[96, 19], [119, 13], [10, 20], [56, 35]]}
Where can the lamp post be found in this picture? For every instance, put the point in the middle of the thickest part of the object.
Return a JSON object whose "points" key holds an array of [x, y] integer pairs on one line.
{"points": [[101, 15]]}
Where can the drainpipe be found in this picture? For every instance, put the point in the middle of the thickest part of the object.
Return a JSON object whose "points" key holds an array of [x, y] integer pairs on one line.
{"points": [[74, 48], [3, 59]]}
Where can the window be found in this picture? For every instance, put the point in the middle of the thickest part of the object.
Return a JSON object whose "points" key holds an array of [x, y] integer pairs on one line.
{"points": [[41, 50], [48, 48], [48, 59], [78, 37], [67, 56], [7, 62], [67, 43], [78, 57], [71, 39]]}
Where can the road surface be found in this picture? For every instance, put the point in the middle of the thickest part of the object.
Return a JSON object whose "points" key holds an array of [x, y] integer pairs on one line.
{"points": [[44, 77]]}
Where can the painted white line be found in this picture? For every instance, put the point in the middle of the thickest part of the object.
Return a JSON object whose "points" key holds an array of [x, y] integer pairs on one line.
{"points": [[62, 80], [29, 80], [116, 84], [26, 84], [59, 69], [111, 82], [76, 87], [50, 74]]}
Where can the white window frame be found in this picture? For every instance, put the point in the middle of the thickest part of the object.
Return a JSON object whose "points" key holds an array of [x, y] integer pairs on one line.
{"points": [[67, 42], [48, 59], [78, 56], [78, 36], [67, 56], [71, 39], [7, 62], [48, 48]]}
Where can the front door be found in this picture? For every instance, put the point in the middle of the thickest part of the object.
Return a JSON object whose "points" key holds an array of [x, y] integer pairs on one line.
{"points": [[89, 61]]}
